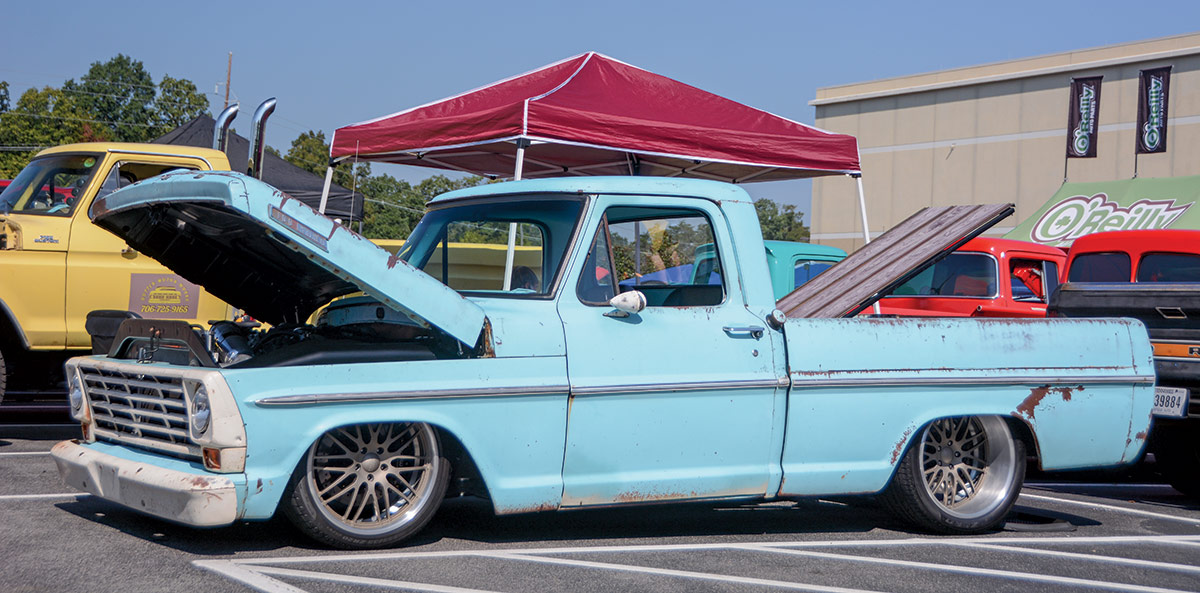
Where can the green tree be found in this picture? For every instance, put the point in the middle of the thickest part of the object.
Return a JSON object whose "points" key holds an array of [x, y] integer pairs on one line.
{"points": [[41, 118], [119, 92], [393, 207], [177, 103], [3, 96], [310, 152], [782, 224]]}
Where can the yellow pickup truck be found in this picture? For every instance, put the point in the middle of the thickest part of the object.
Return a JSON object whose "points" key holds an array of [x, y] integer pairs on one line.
{"points": [[56, 266]]}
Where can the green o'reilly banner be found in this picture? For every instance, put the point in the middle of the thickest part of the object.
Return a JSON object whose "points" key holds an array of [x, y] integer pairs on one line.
{"points": [[1079, 209], [1083, 117], [1153, 86]]}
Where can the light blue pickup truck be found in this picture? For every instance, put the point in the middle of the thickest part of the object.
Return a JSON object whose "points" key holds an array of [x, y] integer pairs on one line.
{"points": [[557, 385]]}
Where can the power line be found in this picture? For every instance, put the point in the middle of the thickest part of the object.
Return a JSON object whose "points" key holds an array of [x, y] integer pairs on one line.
{"points": [[94, 121]]}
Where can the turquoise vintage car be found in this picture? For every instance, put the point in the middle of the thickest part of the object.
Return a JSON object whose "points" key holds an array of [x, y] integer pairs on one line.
{"points": [[554, 386]]}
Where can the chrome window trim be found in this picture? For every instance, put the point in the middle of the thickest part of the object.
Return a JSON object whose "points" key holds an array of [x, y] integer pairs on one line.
{"points": [[164, 154]]}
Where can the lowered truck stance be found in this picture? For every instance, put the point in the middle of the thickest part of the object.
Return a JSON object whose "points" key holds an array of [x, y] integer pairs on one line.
{"points": [[557, 385]]}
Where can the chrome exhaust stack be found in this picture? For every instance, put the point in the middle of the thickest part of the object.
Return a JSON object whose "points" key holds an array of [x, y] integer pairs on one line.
{"points": [[221, 127], [258, 145]]}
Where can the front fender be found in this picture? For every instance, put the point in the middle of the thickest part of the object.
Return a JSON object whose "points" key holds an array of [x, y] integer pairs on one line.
{"points": [[509, 414]]}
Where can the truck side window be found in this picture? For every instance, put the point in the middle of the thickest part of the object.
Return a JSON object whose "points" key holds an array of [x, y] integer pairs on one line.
{"points": [[597, 284], [668, 254]]}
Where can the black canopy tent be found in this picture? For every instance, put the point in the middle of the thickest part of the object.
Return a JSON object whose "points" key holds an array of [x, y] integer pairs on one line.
{"points": [[289, 178]]}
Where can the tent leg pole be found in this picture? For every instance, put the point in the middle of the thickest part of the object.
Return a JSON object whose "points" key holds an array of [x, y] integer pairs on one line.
{"points": [[325, 190], [512, 226], [862, 209]]}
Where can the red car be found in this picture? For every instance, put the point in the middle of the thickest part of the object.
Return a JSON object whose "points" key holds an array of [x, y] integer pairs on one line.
{"points": [[986, 277]]}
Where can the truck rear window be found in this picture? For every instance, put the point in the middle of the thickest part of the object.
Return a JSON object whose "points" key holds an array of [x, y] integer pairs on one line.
{"points": [[1100, 267], [1169, 267]]}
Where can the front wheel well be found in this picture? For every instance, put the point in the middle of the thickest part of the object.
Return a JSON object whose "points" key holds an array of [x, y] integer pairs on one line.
{"points": [[465, 478]]}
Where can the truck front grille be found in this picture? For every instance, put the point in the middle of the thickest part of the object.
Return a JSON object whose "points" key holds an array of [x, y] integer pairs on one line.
{"points": [[142, 410]]}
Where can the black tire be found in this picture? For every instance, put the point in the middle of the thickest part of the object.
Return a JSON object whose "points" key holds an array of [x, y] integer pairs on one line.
{"points": [[961, 476], [398, 467], [1177, 457]]}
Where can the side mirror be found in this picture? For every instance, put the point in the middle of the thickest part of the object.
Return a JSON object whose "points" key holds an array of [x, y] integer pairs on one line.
{"points": [[627, 303]]}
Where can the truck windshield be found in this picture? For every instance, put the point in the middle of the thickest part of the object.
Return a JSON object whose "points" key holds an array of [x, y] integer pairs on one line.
{"points": [[959, 274], [51, 185], [466, 247]]}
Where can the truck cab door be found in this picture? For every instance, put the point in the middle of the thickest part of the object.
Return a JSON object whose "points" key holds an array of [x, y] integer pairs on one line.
{"points": [[676, 401], [105, 273]]}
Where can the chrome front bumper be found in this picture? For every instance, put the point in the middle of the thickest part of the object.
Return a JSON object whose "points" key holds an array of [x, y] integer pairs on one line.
{"points": [[197, 499]]}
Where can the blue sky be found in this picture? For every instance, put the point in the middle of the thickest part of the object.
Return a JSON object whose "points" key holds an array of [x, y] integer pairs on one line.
{"points": [[333, 64]]}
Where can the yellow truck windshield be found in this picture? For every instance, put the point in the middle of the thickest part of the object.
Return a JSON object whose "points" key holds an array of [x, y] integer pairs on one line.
{"points": [[51, 185]]}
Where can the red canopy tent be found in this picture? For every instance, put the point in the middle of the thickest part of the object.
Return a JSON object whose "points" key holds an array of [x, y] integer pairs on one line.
{"points": [[593, 115]]}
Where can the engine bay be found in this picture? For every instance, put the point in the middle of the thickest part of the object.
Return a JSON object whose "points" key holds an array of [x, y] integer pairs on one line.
{"points": [[350, 330]]}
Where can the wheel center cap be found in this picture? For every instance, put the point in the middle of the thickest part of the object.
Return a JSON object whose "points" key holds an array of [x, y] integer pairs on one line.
{"points": [[946, 456], [370, 462]]}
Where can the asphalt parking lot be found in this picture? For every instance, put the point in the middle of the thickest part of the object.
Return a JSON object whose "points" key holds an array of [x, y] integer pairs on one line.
{"points": [[1072, 534]]}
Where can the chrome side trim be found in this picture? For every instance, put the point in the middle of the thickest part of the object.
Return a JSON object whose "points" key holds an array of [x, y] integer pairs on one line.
{"points": [[327, 398], [382, 396], [781, 382], [937, 381]]}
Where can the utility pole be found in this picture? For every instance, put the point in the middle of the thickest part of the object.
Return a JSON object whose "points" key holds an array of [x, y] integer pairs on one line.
{"points": [[228, 72]]}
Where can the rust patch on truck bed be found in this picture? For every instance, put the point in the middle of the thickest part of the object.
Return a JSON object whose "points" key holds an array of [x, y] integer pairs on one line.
{"points": [[1028, 407]]}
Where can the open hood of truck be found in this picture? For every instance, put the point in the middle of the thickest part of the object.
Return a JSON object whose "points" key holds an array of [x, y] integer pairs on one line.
{"points": [[269, 254], [890, 260]]}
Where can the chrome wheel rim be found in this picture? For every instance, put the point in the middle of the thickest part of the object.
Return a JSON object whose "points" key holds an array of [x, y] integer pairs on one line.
{"points": [[373, 478], [968, 464]]}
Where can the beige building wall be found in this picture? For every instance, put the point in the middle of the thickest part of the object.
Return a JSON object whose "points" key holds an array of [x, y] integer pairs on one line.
{"points": [[997, 133]]}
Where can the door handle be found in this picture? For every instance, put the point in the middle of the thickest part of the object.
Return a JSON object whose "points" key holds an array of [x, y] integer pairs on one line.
{"points": [[754, 331]]}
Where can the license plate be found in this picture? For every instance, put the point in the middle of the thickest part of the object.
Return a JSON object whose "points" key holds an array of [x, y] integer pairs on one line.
{"points": [[1170, 402]]}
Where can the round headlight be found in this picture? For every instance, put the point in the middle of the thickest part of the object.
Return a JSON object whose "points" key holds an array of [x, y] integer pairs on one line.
{"points": [[200, 411], [75, 394]]}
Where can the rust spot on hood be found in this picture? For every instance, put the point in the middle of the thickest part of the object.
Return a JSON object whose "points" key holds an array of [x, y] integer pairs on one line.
{"points": [[1029, 406]]}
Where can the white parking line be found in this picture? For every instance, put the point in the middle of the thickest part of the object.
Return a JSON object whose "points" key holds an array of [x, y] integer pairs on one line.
{"points": [[24, 453], [1096, 505], [706, 576], [257, 572], [973, 571], [1097, 486], [999, 545], [338, 578], [42, 496]]}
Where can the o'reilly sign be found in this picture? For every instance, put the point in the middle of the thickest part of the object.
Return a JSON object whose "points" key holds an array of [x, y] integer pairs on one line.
{"points": [[1153, 88], [1083, 117], [1077, 216]]}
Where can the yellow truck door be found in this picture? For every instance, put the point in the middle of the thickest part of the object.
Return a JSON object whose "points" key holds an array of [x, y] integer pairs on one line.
{"points": [[105, 273]]}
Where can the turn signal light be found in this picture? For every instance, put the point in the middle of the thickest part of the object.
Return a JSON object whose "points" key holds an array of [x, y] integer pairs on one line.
{"points": [[212, 458]]}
